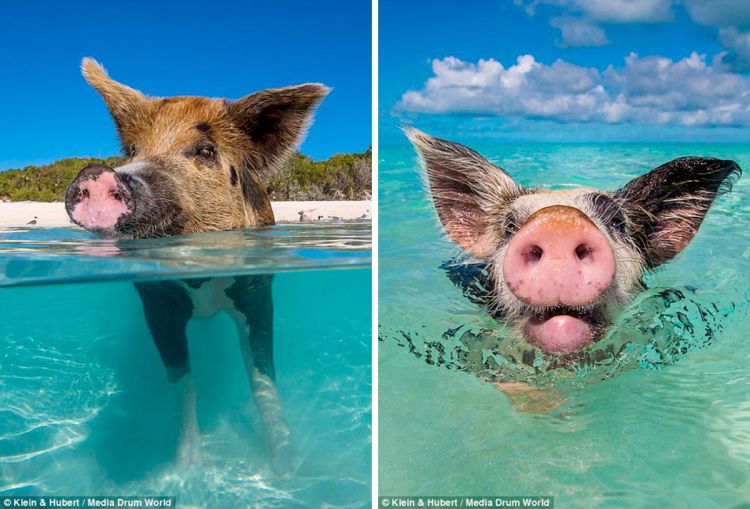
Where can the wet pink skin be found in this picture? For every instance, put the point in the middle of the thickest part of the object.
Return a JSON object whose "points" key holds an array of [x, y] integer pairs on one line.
{"points": [[559, 258], [100, 207], [560, 334]]}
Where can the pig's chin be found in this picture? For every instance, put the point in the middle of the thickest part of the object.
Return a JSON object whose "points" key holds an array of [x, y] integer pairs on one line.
{"points": [[112, 232], [563, 330]]}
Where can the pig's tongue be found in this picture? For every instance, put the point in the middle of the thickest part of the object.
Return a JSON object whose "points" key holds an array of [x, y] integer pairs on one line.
{"points": [[560, 333]]}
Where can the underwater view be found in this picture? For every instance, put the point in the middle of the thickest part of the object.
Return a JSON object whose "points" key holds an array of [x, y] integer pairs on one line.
{"points": [[86, 407], [655, 414]]}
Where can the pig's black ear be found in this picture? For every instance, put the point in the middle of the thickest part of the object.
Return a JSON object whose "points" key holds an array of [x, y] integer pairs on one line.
{"points": [[275, 120], [124, 103], [667, 205], [465, 187]]}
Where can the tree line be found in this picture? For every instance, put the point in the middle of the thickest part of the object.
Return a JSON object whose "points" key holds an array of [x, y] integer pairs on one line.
{"points": [[341, 177]]}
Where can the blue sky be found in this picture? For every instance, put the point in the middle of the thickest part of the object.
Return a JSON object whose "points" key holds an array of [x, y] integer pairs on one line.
{"points": [[218, 48], [567, 70]]}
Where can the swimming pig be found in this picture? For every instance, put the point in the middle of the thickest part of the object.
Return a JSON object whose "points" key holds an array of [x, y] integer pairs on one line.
{"points": [[194, 164], [561, 263]]}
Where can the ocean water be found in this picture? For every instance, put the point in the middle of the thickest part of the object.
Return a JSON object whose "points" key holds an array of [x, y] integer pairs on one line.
{"points": [[85, 406], [664, 423]]}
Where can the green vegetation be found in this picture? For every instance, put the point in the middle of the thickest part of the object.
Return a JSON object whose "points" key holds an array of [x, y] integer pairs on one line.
{"points": [[342, 177]]}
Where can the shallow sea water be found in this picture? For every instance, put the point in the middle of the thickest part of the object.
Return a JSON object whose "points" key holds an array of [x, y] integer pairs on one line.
{"points": [[666, 423], [85, 406]]}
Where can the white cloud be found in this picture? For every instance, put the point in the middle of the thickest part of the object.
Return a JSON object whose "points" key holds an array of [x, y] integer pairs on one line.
{"points": [[579, 32], [580, 21], [719, 13], [625, 11], [732, 18], [738, 45], [651, 90], [609, 11], [527, 88]]}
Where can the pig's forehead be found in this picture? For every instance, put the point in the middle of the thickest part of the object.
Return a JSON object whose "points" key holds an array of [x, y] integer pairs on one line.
{"points": [[177, 121], [185, 110], [541, 198]]}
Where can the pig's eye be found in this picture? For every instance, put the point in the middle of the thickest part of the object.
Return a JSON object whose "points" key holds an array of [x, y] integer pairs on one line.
{"points": [[131, 150], [205, 150], [510, 225], [609, 211], [618, 221]]}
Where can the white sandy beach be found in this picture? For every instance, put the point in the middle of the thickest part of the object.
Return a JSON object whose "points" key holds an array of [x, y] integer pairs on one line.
{"points": [[53, 215]]}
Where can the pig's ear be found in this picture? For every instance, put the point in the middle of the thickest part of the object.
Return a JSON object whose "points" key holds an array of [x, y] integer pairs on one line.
{"points": [[275, 120], [464, 188], [124, 103], [667, 205]]}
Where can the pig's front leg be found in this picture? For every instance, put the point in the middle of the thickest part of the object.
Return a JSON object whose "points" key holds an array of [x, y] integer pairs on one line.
{"points": [[168, 309], [527, 398], [253, 312]]}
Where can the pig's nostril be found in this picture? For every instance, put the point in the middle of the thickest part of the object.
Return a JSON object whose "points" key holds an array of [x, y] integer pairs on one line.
{"points": [[533, 254], [583, 252]]}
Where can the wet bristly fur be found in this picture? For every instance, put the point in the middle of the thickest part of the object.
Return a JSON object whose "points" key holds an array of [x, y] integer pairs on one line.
{"points": [[201, 160], [646, 223], [461, 206], [668, 204], [628, 259]]}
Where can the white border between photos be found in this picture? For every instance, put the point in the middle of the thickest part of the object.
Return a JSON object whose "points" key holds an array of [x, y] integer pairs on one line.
{"points": [[375, 160]]}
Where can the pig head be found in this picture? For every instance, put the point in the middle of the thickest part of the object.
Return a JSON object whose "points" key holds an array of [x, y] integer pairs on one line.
{"points": [[561, 263], [194, 164]]}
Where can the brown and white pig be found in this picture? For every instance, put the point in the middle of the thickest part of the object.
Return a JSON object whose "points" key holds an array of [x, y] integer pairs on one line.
{"points": [[562, 263], [194, 164]]}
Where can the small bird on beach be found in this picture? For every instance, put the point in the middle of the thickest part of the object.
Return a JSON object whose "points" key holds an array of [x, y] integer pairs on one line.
{"points": [[305, 215], [32, 222]]}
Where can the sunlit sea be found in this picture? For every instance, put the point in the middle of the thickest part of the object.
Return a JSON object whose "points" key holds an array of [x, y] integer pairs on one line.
{"points": [[85, 405], [665, 423]]}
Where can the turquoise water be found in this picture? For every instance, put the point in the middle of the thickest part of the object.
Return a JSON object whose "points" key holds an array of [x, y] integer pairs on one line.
{"points": [[664, 424], [85, 406]]}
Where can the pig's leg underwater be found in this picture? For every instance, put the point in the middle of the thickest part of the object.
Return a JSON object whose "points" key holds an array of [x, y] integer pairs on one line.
{"points": [[529, 399], [168, 309], [473, 280], [252, 311]]}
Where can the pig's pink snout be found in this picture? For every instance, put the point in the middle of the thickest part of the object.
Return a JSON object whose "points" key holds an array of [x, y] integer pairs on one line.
{"points": [[98, 198], [559, 257]]}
